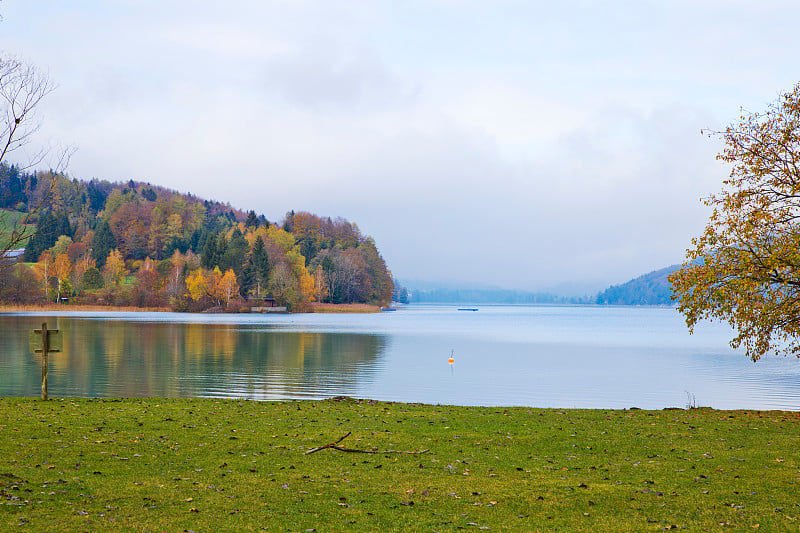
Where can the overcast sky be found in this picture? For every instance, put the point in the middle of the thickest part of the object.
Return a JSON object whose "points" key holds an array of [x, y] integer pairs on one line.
{"points": [[521, 144]]}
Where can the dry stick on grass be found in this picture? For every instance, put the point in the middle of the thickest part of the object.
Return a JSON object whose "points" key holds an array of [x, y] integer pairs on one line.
{"points": [[334, 446]]}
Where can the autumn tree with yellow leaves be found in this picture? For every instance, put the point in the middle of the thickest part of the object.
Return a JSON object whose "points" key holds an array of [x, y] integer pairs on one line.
{"points": [[61, 269], [228, 286], [745, 268], [114, 269]]}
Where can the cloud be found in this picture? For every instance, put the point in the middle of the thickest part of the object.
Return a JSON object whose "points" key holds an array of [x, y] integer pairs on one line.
{"points": [[521, 144], [320, 76]]}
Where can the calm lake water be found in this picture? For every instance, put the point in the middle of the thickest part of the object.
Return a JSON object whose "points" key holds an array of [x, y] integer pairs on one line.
{"points": [[594, 357]]}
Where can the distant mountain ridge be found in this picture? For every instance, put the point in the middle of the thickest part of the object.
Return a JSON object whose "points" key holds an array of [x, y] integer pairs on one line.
{"points": [[649, 289]]}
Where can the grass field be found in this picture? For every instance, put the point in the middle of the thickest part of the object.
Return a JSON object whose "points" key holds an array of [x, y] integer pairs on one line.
{"points": [[8, 221], [227, 465]]}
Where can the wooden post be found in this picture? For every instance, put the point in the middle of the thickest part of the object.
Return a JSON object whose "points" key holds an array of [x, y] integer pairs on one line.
{"points": [[44, 361], [45, 342]]}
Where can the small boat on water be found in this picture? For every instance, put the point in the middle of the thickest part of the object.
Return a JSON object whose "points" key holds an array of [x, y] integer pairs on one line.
{"points": [[467, 308], [387, 309]]}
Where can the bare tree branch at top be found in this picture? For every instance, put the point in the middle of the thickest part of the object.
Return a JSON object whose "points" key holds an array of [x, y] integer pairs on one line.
{"points": [[22, 89]]}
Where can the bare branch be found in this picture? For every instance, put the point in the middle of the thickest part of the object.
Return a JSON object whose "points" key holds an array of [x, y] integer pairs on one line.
{"points": [[335, 446], [22, 88]]}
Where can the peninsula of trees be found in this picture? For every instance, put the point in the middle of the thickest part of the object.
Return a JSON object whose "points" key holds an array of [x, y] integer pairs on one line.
{"points": [[136, 244]]}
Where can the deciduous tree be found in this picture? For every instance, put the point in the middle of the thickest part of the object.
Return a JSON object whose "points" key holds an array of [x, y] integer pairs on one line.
{"points": [[745, 267], [146, 293], [215, 285], [228, 286], [61, 269], [197, 285], [114, 268], [91, 279], [283, 286], [44, 269]]}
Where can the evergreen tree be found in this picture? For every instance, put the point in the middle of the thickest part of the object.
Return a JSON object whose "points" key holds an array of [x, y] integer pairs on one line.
{"points": [[48, 229], [10, 187], [62, 226], [260, 262], [43, 239], [197, 241], [102, 243], [97, 197], [222, 248], [247, 281], [236, 253], [252, 220], [288, 222], [209, 256]]}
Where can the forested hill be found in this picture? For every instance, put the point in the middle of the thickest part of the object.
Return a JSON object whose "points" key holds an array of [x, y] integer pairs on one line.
{"points": [[134, 243], [649, 289]]}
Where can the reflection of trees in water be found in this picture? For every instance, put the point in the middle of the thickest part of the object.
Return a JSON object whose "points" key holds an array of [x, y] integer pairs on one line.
{"points": [[121, 358], [292, 363]]}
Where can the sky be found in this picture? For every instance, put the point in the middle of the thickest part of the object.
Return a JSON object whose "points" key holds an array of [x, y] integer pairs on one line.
{"points": [[519, 144]]}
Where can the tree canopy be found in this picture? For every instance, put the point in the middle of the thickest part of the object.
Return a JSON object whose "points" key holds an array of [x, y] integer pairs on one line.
{"points": [[150, 246], [745, 268]]}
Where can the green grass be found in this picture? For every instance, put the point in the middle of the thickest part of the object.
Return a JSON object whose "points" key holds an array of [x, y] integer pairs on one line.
{"points": [[9, 221], [207, 465]]}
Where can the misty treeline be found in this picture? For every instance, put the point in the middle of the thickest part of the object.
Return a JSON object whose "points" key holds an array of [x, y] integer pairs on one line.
{"points": [[491, 296], [136, 244], [648, 289]]}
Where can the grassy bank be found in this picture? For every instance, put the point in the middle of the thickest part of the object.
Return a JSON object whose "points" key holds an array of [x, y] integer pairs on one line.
{"points": [[207, 465], [10, 221]]}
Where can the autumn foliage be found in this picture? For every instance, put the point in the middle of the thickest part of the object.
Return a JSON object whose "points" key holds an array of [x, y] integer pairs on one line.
{"points": [[146, 246], [745, 267]]}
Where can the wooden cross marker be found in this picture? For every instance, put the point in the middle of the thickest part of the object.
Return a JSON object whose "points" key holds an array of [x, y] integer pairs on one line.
{"points": [[44, 342]]}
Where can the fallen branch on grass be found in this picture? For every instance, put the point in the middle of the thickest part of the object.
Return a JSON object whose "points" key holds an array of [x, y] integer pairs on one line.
{"points": [[335, 446]]}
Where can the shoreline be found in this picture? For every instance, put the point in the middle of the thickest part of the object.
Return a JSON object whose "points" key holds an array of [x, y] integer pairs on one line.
{"points": [[314, 307], [27, 308]]}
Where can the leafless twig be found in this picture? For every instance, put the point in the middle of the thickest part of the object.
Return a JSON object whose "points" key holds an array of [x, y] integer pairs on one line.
{"points": [[335, 446]]}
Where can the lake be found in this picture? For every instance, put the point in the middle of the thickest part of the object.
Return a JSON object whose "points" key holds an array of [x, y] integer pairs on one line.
{"points": [[540, 356]]}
